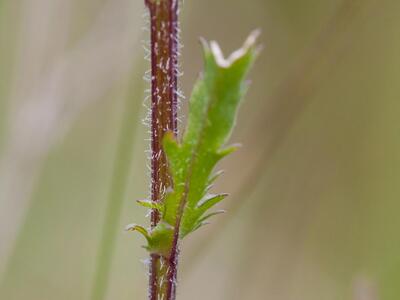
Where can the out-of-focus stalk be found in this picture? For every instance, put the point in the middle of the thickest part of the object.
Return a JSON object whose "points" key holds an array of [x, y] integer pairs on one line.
{"points": [[122, 166]]}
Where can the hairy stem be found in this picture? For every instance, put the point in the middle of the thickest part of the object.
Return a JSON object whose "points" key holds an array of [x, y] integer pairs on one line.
{"points": [[164, 55]]}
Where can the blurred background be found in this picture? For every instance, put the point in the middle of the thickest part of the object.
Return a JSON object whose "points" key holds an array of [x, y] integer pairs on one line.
{"points": [[314, 206]]}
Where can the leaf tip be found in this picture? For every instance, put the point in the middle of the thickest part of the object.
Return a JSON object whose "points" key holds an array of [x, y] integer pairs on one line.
{"points": [[251, 40], [204, 43], [226, 151], [151, 204], [249, 47], [138, 228]]}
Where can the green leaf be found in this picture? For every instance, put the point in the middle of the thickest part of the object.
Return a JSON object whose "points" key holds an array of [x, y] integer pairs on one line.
{"points": [[140, 229], [215, 176], [206, 217], [151, 204], [212, 114], [159, 240], [203, 221], [210, 200]]}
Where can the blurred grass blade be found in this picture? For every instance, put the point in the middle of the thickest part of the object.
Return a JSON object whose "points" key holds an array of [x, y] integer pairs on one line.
{"points": [[122, 166]]}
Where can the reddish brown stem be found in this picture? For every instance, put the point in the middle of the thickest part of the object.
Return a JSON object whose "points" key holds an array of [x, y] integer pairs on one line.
{"points": [[164, 58]]}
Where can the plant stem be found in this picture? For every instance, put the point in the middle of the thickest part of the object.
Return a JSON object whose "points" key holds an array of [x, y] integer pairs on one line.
{"points": [[164, 56], [122, 164]]}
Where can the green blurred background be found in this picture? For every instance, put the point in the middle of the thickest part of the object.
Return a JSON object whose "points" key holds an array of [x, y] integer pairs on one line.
{"points": [[314, 209]]}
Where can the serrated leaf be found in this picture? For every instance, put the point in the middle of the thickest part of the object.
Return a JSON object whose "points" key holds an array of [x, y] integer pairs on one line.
{"points": [[195, 214], [212, 113]]}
